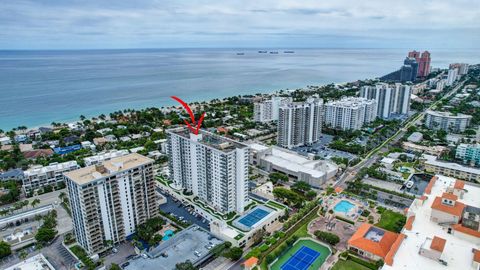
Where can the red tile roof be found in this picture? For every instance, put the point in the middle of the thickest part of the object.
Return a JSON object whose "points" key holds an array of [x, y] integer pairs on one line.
{"points": [[476, 255], [380, 248], [252, 261], [428, 189], [455, 210], [409, 223], [222, 130], [393, 249], [438, 244], [465, 230], [338, 190], [459, 184], [450, 196], [38, 153]]}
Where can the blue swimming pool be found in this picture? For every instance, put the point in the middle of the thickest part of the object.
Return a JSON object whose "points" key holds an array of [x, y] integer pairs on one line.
{"points": [[343, 206], [167, 235]]}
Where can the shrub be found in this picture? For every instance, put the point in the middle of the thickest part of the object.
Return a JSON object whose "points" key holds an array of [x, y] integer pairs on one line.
{"points": [[263, 247], [290, 241], [270, 258], [330, 238]]}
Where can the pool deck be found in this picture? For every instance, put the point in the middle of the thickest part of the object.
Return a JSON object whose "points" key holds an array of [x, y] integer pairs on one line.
{"points": [[353, 214]]}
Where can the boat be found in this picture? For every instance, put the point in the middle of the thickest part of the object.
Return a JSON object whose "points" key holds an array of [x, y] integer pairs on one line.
{"points": [[240, 53], [262, 51], [289, 52], [273, 52]]}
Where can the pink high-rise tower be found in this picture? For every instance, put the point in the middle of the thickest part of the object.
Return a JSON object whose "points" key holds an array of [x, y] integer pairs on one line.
{"points": [[424, 64], [423, 61]]}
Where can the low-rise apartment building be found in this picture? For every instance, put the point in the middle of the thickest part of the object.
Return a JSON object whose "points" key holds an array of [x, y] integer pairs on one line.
{"points": [[104, 156], [41, 176], [451, 169], [469, 153], [447, 121], [436, 150], [296, 167]]}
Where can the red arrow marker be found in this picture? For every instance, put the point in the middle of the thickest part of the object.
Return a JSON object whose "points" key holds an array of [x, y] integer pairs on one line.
{"points": [[196, 129]]}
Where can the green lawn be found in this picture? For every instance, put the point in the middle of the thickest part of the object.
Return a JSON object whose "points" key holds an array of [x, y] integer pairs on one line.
{"points": [[348, 265], [276, 205], [391, 221], [324, 253]]}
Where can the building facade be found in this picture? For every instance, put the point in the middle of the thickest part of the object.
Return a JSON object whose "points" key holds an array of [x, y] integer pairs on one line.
{"points": [[297, 167], [109, 200], [462, 68], [99, 158], [431, 164], [267, 110], [211, 167], [468, 153], [300, 123], [423, 61], [391, 99], [446, 121], [41, 176], [349, 113], [452, 76]]}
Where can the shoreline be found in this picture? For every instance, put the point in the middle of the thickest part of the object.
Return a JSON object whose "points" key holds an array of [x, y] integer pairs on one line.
{"points": [[89, 117]]}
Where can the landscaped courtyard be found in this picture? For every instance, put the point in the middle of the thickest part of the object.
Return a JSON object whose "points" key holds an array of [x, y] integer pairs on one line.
{"points": [[313, 255], [390, 220], [348, 265]]}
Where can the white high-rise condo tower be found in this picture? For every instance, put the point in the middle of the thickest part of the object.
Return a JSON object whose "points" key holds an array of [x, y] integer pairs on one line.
{"points": [[391, 99], [267, 110], [109, 200], [213, 168], [300, 123], [349, 113]]}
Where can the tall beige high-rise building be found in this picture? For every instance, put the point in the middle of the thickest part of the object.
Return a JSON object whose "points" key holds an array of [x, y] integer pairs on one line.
{"points": [[109, 200]]}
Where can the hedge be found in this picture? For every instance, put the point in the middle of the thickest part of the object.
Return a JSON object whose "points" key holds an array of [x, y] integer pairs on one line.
{"points": [[362, 262], [344, 219]]}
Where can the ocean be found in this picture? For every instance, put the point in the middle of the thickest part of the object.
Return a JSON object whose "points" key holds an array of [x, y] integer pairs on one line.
{"points": [[40, 87]]}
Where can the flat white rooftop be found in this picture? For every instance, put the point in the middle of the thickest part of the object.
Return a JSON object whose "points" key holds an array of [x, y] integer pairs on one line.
{"points": [[295, 162], [37, 262], [50, 168], [457, 252], [432, 160]]}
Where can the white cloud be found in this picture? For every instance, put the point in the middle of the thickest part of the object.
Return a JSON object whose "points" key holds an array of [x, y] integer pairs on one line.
{"points": [[109, 23]]}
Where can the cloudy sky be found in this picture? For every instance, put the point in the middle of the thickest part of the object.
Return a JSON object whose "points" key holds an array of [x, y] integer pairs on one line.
{"points": [[83, 24]]}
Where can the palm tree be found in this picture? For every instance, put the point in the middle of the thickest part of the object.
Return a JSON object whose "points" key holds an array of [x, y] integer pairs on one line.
{"points": [[62, 196], [35, 202], [38, 218], [25, 203]]}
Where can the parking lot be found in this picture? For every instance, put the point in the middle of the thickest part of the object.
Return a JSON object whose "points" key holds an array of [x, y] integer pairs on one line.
{"points": [[320, 149], [179, 210], [124, 251]]}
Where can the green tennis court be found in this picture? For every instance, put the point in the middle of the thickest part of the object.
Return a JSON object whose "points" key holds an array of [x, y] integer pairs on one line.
{"points": [[284, 261]]}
